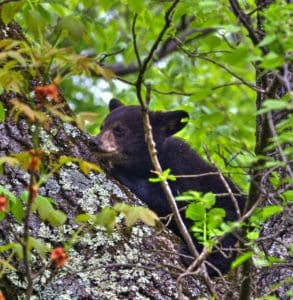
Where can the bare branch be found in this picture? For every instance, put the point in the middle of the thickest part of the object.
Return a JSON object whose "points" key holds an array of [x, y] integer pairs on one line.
{"points": [[134, 41], [144, 66], [281, 152], [25, 246], [197, 55], [245, 20], [166, 49]]}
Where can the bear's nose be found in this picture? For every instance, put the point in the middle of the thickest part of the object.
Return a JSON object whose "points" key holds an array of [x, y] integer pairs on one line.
{"points": [[94, 143]]}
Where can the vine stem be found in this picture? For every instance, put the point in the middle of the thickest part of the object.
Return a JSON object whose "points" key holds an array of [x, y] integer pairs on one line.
{"points": [[26, 231]]}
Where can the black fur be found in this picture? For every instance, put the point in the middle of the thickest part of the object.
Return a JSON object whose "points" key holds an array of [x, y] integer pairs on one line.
{"points": [[129, 162]]}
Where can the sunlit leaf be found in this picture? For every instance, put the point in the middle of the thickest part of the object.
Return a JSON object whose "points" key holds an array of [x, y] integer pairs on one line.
{"points": [[2, 113], [148, 217], [9, 10], [241, 259], [15, 247], [107, 73], [272, 104], [122, 207], [106, 218], [195, 211], [271, 210], [86, 167], [6, 264], [33, 115], [44, 207], [82, 218], [254, 235], [136, 5], [39, 246], [17, 209], [86, 117], [57, 218]]}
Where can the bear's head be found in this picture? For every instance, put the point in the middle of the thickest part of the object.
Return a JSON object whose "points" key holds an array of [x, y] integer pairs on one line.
{"points": [[121, 141]]}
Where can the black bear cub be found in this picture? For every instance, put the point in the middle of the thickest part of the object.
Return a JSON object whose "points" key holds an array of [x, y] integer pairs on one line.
{"points": [[122, 150]]}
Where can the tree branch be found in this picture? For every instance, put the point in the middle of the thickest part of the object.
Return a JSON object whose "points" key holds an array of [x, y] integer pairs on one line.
{"points": [[166, 49], [245, 20]]}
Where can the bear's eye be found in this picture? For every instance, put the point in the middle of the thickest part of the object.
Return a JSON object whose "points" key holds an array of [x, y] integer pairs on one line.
{"points": [[119, 131]]}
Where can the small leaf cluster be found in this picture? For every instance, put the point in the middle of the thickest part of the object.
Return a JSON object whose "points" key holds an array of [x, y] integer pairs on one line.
{"points": [[208, 220], [163, 176], [107, 216]]}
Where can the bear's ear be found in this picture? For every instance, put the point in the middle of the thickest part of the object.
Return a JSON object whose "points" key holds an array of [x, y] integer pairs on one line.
{"points": [[114, 103], [173, 121]]}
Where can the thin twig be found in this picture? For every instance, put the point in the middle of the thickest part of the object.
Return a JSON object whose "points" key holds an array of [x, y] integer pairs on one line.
{"points": [[203, 57], [281, 152], [134, 41], [25, 248], [143, 68], [7, 1], [245, 20]]}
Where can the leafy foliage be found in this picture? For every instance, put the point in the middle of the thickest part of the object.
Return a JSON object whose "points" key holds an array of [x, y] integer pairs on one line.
{"points": [[107, 216], [208, 220]]}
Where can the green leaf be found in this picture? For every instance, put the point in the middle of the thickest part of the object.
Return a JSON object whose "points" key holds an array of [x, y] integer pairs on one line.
{"points": [[230, 28], [7, 193], [57, 218], [269, 297], [140, 213], [136, 5], [9, 10], [44, 207], [189, 196], [2, 113], [122, 207], [148, 216], [15, 247], [209, 200], [272, 60], [83, 218], [267, 40], [58, 8], [254, 235], [273, 104], [34, 22], [262, 214], [39, 246], [287, 196], [106, 218], [241, 259], [195, 211], [6, 265], [164, 176], [271, 210], [131, 217], [86, 167], [24, 196], [215, 217], [17, 209], [73, 26]]}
